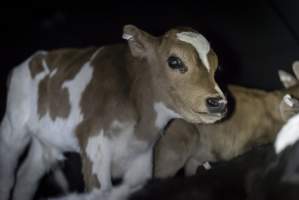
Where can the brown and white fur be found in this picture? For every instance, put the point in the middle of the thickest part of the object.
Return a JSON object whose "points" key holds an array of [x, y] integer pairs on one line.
{"points": [[257, 117], [109, 104]]}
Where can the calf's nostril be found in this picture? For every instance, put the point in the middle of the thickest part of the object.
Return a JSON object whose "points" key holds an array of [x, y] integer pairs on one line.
{"points": [[214, 102]]}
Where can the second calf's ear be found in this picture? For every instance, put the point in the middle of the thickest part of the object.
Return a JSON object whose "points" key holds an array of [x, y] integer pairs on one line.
{"points": [[289, 106], [296, 69], [287, 79]]}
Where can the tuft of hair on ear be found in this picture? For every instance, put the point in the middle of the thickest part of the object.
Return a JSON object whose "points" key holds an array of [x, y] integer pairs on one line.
{"points": [[129, 32]]}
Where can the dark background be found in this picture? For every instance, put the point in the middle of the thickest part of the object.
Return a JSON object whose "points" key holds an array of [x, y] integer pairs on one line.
{"points": [[253, 39]]}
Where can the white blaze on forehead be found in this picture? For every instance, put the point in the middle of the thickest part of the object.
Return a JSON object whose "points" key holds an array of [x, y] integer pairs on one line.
{"points": [[164, 114], [199, 42], [288, 135]]}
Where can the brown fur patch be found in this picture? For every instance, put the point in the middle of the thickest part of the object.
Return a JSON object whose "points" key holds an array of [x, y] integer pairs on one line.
{"points": [[57, 104], [107, 83], [90, 180], [35, 64], [42, 97], [52, 97]]}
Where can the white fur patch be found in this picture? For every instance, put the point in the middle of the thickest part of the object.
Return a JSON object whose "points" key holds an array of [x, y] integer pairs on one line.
{"points": [[60, 132], [13, 130], [199, 42], [18, 97], [207, 165], [53, 73], [125, 147], [140, 169], [288, 135], [164, 114], [45, 66], [113, 156], [98, 151]]}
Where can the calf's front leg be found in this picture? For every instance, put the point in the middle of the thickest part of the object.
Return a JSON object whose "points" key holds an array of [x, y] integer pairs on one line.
{"points": [[139, 172]]}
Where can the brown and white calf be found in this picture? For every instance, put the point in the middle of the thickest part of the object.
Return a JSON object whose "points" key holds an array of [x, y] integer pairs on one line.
{"points": [[109, 104], [256, 119]]}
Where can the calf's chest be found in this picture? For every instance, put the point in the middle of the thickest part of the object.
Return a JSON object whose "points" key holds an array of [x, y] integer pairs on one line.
{"points": [[117, 147]]}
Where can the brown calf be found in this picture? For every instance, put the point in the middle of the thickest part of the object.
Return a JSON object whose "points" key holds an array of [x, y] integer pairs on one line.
{"points": [[256, 119]]}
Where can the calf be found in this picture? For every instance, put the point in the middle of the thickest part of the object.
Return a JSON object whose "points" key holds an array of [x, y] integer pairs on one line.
{"points": [[279, 179], [256, 118], [258, 174], [226, 180], [109, 104]]}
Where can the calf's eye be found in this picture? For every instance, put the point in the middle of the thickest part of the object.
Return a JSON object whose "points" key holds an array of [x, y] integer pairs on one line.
{"points": [[176, 64]]}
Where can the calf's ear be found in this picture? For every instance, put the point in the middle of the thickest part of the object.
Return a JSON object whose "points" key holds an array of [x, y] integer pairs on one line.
{"points": [[289, 106], [140, 42], [287, 79], [296, 69]]}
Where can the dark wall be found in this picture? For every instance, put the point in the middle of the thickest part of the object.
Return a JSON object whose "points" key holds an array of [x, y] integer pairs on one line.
{"points": [[252, 38]]}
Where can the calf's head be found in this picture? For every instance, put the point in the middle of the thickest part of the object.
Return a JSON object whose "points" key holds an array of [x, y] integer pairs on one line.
{"points": [[290, 104], [182, 68]]}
